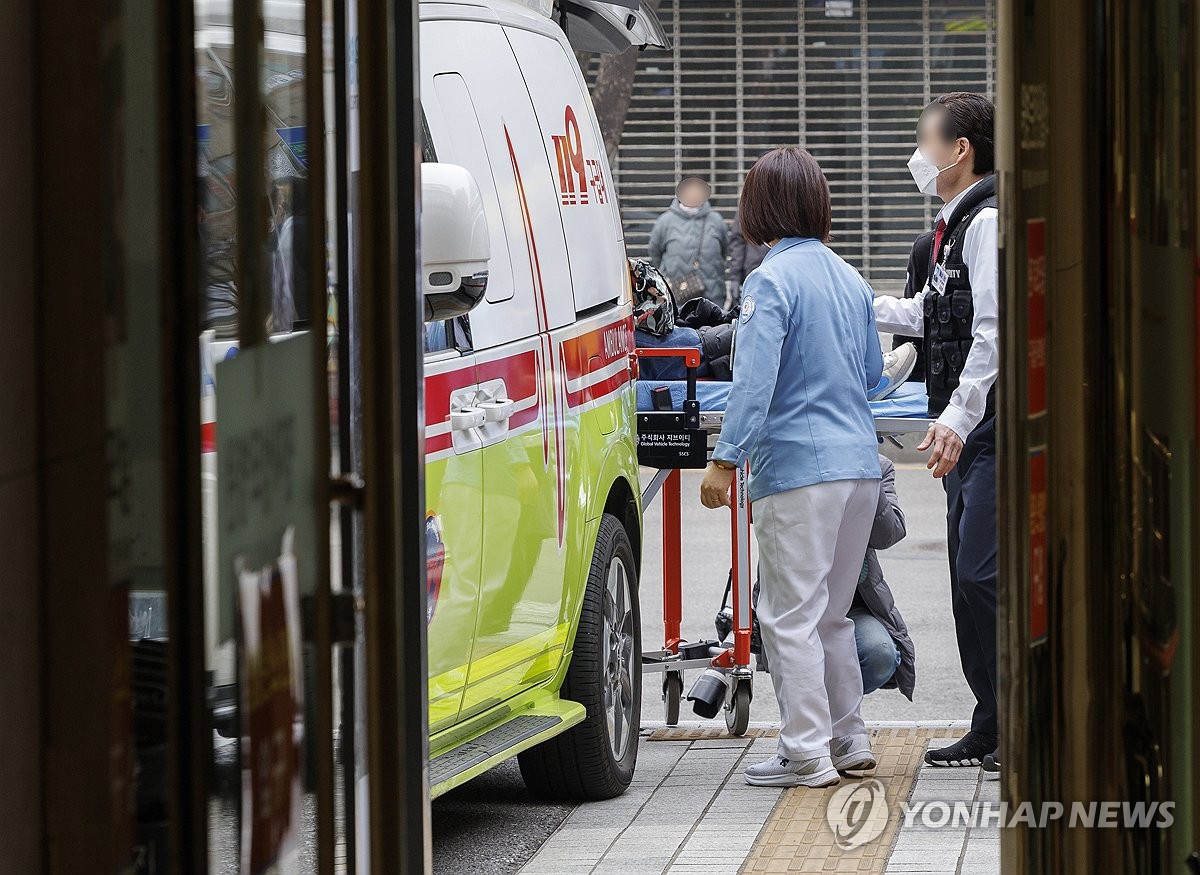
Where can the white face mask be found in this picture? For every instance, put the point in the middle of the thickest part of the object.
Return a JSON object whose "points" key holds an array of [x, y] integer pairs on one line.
{"points": [[925, 172]]}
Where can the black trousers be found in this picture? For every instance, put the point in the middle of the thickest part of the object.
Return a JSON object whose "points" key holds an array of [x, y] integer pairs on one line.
{"points": [[971, 536]]}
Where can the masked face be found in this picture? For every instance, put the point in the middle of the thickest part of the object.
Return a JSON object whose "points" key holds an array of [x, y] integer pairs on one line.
{"points": [[692, 194], [925, 173]]}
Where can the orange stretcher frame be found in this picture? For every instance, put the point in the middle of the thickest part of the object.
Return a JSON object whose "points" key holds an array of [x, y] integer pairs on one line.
{"points": [[733, 661]]}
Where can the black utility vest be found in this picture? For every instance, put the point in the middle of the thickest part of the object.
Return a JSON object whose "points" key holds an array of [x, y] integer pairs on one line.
{"points": [[915, 280], [950, 313]]}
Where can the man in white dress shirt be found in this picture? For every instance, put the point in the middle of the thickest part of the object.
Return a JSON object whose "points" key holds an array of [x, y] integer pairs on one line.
{"points": [[956, 315]]}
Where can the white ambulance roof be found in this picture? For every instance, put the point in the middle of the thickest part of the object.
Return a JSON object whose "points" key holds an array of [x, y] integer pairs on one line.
{"points": [[498, 11], [592, 25]]}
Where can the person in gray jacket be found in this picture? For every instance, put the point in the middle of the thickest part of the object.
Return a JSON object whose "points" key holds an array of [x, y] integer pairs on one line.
{"points": [[885, 650], [690, 241], [743, 258]]}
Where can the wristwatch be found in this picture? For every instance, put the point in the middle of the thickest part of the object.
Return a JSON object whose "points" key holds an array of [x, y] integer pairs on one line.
{"points": [[728, 466]]}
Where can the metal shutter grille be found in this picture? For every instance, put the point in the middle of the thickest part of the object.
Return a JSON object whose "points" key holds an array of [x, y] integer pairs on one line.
{"points": [[846, 80]]}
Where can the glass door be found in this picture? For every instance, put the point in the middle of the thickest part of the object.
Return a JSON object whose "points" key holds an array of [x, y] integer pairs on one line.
{"points": [[279, 571], [312, 461]]}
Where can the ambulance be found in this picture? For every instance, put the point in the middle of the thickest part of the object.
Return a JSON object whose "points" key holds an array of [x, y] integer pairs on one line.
{"points": [[533, 511], [534, 519]]}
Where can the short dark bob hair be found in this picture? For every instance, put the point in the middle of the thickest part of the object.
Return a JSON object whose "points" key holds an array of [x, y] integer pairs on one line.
{"points": [[785, 195]]}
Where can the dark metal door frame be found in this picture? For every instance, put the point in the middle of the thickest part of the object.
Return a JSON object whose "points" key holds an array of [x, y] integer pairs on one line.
{"points": [[393, 438], [388, 325]]}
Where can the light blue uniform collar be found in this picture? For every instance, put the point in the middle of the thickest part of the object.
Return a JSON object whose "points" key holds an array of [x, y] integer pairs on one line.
{"points": [[788, 243]]}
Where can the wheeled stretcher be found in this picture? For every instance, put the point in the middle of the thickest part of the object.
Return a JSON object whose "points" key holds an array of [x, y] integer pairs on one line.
{"points": [[678, 425]]}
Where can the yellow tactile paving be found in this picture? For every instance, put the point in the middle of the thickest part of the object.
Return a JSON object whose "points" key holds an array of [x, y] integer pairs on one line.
{"points": [[700, 733], [796, 837]]}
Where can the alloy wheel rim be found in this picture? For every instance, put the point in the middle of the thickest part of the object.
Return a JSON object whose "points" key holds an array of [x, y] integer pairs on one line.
{"points": [[618, 661]]}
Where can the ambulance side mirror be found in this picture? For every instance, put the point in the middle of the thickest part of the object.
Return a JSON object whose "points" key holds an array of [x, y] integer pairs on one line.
{"points": [[455, 246]]}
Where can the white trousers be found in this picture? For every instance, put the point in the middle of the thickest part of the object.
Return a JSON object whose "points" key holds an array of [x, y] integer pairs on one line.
{"points": [[812, 542]]}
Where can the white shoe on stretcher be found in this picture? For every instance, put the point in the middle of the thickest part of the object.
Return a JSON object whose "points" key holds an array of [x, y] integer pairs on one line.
{"points": [[897, 366]]}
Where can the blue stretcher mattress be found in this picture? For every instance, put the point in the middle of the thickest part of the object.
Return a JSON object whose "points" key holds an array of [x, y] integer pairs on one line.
{"points": [[909, 400]]}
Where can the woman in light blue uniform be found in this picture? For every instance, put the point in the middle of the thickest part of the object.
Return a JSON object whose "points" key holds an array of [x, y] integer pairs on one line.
{"points": [[807, 352]]}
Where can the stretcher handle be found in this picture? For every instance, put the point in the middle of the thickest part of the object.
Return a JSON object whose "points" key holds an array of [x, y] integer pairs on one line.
{"points": [[690, 356]]}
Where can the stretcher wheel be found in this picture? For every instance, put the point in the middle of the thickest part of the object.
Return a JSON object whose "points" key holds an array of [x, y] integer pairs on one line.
{"points": [[672, 694], [737, 709]]}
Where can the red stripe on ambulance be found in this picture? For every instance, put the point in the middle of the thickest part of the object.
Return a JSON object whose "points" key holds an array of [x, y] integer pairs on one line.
{"points": [[439, 388], [609, 343], [597, 390], [438, 443], [519, 373], [589, 355]]}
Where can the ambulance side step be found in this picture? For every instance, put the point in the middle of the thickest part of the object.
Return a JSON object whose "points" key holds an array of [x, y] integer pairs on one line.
{"points": [[475, 756]]}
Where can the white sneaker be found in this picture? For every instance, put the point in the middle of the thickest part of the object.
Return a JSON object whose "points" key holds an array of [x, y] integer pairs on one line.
{"points": [[852, 753], [781, 772], [897, 365]]}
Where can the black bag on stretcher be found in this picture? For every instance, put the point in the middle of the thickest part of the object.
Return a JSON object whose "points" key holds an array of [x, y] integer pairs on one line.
{"points": [[702, 325]]}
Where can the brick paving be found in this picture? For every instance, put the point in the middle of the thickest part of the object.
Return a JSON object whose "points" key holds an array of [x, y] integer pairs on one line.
{"points": [[797, 837], [689, 810], [948, 850]]}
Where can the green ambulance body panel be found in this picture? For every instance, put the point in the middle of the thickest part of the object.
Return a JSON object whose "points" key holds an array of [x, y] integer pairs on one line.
{"points": [[508, 564]]}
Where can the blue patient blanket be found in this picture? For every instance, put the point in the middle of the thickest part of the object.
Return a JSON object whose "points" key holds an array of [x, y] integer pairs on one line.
{"points": [[909, 400], [681, 337]]}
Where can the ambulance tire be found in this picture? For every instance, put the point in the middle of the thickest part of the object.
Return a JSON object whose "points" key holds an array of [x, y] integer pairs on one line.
{"points": [[581, 764]]}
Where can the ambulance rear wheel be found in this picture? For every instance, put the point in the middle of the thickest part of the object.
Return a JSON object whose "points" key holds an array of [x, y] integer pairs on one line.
{"points": [[595, 758]]}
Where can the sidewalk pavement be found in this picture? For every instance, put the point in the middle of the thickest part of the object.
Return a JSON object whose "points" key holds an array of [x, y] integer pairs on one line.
{"points": [[689, 810]]}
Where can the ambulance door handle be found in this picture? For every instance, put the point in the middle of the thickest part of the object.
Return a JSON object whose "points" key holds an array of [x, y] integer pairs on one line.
{"points": [[467, 418], [499, 410]]}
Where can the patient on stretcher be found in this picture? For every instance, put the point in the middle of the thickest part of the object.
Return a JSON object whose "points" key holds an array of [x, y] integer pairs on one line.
{"points": [[700, 324]]}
